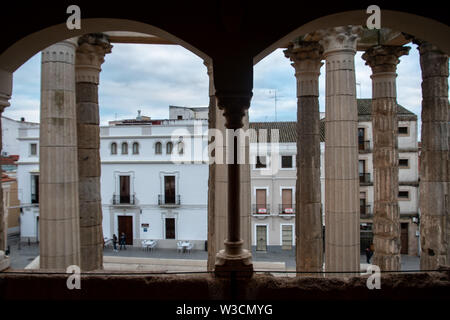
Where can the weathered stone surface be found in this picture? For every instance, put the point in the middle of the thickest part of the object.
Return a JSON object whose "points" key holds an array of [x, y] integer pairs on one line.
{"points": [[306, 58], [89, 58], [434, 159], [58, 197], [386, 217]]}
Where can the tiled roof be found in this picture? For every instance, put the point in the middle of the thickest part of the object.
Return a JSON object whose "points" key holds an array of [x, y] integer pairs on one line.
{"points": [[288, 130]]}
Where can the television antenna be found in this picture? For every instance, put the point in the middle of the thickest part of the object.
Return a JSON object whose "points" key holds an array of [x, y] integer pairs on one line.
{"points": [[273, 92]]}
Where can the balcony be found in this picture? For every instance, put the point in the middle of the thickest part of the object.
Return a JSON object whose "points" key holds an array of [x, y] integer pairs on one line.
{"points": [[364, 178], [173, 201], [263, 209], [365, 210], [364, 146], [118, 199], [286, 208]]}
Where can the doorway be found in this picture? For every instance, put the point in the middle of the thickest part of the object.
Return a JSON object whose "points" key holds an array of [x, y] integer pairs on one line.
{"points": [[126, 226], [404, 238], [124, 189], [261, 238], [286, 237], [170, 228], [169, 189]]}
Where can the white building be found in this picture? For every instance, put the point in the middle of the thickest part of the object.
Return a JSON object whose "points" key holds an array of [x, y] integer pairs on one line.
{"points": [[273, 184], [154, 181]]}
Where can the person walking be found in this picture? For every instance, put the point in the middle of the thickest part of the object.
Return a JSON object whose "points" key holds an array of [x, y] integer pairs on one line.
{"points": [[369, 253], [115, 242], [123, 241]]}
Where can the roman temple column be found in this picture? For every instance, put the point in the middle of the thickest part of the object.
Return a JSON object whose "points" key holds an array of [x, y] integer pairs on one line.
{"points": [[386, 215], [434, 159], [342, 249], [58, 161], [90, 55], [306, 58], [5, 95]]}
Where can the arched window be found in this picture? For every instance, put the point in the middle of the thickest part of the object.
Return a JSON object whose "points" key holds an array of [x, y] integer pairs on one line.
{"points": [[113, 148], [181, 147], [135, 148], [124, 148], [169, 147], [158, 148]]}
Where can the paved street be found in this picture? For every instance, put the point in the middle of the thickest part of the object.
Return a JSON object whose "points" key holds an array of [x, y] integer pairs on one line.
{"points": [[20, 258]]}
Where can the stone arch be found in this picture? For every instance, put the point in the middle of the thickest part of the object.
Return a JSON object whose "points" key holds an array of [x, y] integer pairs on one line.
{"points": [[18, 53], [423, 28]]}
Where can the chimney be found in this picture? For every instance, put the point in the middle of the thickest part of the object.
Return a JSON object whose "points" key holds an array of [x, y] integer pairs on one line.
{"points": [[22, 119]]}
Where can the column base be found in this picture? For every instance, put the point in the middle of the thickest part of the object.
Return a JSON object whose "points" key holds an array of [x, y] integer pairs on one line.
{"points": [[4, 261], [234, 261]]}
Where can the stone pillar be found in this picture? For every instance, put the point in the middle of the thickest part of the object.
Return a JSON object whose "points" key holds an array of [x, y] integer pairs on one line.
{"points": [[218, 183], [58, 183], [306, 58], [342, 249], [386, 215], [89, 57], [434, 159], [234, 258], [5, 95]]}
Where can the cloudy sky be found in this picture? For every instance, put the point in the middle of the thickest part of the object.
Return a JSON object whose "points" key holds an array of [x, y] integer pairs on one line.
{"points": [[152, 77]]}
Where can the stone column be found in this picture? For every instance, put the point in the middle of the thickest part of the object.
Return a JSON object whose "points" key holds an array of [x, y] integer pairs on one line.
{"points": [[58, 183], [89, 58], [342, 249], [5, 95], [306, 58], [218, 183], [434, 159], [234, 258], [386, 215]]}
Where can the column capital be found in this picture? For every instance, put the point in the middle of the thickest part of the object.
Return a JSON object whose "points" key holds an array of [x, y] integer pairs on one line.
{"points": [[384, 58], [6, 83], [306, 56], [234, 104], [339, 38], [90, 55]]}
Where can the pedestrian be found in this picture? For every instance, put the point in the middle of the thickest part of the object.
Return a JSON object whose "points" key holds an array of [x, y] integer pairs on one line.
{"points": [[123, 241], [369, 253], [115, 242]]}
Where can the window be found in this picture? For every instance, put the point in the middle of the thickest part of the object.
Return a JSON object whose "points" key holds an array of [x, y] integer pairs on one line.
{"points": [[170, 228], [403, 163], [124, 189], [286, 162], [158, 148], [180, 117], [124, 148], [34, 188], [113, 148], [33, 149], [181, 147], [169, 147], [286, 201], [261, 162], [169, 189], [135, 148], [403, 195], [403, 130], [261, 201]]}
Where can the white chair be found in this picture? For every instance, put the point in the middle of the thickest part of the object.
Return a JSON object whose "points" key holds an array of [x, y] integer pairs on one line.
{"points": [[179, 246], [189, 247], [144, 244]]}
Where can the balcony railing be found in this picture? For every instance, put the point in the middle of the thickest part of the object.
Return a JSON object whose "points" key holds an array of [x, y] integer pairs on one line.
{"points": [[364, 177], [124, 199], [365, 210], [169, 201], [364, 145], [261, 208], [286, 208]]}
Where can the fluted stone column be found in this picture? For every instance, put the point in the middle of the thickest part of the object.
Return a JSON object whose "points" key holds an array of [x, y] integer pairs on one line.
{"points": [[89, 58], [58, 183], [386, 215], [342, 249], [5, 95], [306, 58], [434, 159], [218, 184]]}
